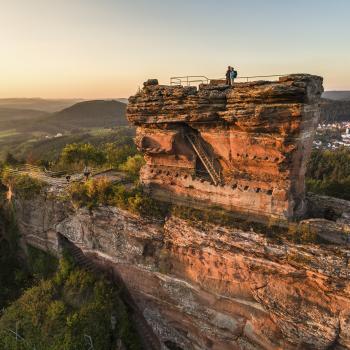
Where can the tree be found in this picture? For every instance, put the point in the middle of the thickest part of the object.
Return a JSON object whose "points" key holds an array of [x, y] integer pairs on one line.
{"points": [[82, 153], [133, 165], [118, 154], [10, 159], [56, 313], [329, 173]]}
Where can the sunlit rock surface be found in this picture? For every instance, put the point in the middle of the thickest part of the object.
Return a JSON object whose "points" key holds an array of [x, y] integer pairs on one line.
{"points": [[207, 287], [257, 137], [202, 286]]}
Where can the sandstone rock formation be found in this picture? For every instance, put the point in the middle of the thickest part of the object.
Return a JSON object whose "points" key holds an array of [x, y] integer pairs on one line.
{"points": [[207, 287], [244, 148]]}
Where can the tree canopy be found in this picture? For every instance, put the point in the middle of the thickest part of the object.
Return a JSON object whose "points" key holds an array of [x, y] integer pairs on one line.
{"points": [[329, 173]]}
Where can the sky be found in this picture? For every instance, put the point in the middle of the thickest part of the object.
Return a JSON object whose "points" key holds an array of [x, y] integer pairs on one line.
{"points": [[108, 48]]}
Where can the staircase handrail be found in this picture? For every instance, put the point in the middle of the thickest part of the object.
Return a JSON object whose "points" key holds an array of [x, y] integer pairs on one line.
{"points": [[202, 154]]}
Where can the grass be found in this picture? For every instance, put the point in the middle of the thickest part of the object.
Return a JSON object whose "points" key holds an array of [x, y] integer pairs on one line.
{"points": [[100, 131], [298, 233], [8, 133]]}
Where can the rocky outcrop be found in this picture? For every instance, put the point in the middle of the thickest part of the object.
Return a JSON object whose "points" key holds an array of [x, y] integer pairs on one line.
{"points": [[244, 148], [202, 286]]}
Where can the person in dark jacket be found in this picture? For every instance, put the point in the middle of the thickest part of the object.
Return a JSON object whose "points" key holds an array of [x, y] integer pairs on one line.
{"points": [[228, 75], [233, 75], [86, 173]]}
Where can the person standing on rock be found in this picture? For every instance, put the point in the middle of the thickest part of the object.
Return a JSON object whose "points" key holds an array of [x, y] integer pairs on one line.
{"points": [[228, 76], [233, 75], [86, 173]]}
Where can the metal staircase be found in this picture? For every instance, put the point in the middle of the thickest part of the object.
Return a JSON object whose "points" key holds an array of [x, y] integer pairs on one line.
{"points": [[209, 164]]}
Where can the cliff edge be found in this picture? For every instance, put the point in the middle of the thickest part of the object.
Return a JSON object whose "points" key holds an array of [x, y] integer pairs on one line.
{"points": [[205, 286]]}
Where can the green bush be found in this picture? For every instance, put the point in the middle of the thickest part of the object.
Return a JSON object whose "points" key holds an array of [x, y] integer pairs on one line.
{"points": [[100, 191], [23, 185], [14, 276], [91, 193], [117, 154], [75, 156], [18, 272], [41, 264], [83, 154], [133, 165], [333, 188]]}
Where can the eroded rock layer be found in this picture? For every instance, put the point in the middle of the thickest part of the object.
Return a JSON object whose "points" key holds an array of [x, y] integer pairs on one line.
{"points": [[244, 148], [207, 287]]}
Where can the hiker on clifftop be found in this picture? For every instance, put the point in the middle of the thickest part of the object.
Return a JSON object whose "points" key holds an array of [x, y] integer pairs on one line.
{"points": [[228, 75], [233, 75], [86, 173]]}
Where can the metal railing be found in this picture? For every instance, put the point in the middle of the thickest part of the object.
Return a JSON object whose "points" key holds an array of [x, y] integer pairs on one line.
{"points": [[261, 76], [190, 80]]}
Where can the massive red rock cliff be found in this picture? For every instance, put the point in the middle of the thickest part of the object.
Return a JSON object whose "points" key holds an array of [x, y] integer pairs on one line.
{"points": [[244, 148], [207, 287], [202, 286]]}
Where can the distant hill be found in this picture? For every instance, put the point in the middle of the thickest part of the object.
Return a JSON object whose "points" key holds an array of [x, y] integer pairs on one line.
{"points": [[337, 95], [41, 104], [10, 118], [8, 114], [90, 114], [46, 105], [81, 116]]}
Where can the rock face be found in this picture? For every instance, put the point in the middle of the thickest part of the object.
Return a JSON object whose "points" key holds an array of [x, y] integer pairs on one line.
{"points": [[208, 287], [243, 148]]}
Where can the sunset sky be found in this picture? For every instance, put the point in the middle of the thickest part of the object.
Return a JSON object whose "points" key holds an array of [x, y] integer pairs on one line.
{"points": [[107, 48]]}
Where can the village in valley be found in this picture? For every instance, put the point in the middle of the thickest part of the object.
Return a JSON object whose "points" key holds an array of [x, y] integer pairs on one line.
{"points": [[332, 135]]}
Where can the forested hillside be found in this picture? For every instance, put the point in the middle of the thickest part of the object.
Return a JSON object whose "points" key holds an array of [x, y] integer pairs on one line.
{"points": [[33, 135], [329, 173]]}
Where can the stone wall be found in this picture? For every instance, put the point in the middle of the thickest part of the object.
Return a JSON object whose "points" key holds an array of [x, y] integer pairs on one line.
{"points": [[257, 136]]}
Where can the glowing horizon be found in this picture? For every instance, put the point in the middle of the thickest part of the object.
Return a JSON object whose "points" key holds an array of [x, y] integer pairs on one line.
{"points": [[106, 49]]}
